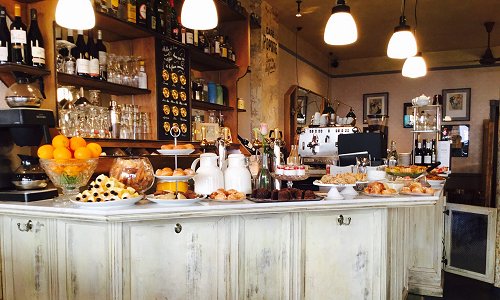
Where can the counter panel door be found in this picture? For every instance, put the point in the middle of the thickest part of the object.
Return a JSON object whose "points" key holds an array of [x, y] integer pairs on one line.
{"points": [[344, 254], [25, 251], [264, 257], [177, 259], [84, 253]]}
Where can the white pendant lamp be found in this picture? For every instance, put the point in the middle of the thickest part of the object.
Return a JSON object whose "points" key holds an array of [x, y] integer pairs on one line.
{"points": [[341, 27], [199, 14], [402, 43], [415, 66], [75, 14]]}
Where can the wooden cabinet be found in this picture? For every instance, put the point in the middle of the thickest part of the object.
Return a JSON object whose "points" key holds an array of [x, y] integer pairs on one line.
{"points": [[264, 257], [343, 255], [26, 258], [177, 259]]}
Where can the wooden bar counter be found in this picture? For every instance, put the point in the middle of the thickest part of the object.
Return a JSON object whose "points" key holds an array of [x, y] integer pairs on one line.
{"points": [[343, 249]]}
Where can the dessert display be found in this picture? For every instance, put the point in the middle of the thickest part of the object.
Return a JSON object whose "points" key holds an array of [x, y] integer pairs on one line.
{"points": [[286, 194], [379, 188], [343, 178], [179, 149], [435, 177], [133, 172], [106, 188], [403, 171], [170, 195], [222, 194], [439, 170], [417, 188], [177, 172], [180, 146]]}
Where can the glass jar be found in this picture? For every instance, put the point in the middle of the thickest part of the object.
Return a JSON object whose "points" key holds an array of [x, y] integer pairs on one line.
{"points": [[136, 172]]}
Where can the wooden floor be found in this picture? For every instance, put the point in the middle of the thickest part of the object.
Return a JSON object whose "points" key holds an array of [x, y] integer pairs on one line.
{"points": [[461, 288]]}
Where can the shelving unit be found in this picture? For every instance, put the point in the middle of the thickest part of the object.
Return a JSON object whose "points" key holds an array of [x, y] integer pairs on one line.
{"points": [[433, 111], [8, 72], [205, 62], [209, 106], [104, 86]]}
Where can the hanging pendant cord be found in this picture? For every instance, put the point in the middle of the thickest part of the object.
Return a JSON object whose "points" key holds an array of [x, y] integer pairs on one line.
{"points": [[416, 22], [296, 56]]}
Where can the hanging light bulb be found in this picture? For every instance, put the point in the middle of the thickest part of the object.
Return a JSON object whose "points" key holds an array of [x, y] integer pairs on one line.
{"points": [[199, 14], [341, 27], [415, 66], [402, 43], [75, 14]]}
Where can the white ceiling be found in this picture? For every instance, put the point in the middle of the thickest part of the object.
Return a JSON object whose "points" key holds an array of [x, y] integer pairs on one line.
{"points": [[442, 24]]}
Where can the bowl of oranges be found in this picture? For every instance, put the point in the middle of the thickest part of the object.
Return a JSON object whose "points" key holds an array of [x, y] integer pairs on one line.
{"points": [[69, 163]]}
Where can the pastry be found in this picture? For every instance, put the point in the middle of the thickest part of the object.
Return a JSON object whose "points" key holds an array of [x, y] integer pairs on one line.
{"points": [[308, 195], [179, 173], [106, 188], [284, 195], [167, 147], [189, 146], [164, 172], [189, 171]]}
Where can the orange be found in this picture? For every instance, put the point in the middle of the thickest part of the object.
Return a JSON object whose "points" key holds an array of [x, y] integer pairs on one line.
{"points": [[60, 141], [77, 142], [83, 153], [72, 170], [46, 152], [95, 149], [62, 153]]}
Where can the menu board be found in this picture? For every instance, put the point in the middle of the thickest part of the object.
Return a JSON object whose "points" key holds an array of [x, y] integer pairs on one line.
{"points": [[173, 104]]}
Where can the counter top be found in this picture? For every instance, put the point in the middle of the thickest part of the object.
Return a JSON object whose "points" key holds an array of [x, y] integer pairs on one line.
{"points": [[151, 211]]}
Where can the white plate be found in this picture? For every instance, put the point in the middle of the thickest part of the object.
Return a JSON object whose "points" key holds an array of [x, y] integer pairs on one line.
{"points": [[174, 202], [415, 194], [108, 204], [174, 178], [435, 182], [227, 200], [378, 195], [319, 183], [175, 151]]}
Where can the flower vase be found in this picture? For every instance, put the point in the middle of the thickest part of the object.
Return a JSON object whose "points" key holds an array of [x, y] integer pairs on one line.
{"points": [[264, 178]]}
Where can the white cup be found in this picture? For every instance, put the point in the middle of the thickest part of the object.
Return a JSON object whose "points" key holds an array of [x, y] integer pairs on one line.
{"points": [[323, 121], [317, 118]]}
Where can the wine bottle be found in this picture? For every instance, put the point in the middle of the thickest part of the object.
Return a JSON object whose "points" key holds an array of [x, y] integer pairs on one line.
{"points": [[189, 36], [246, 143], [160, 17], [5, 47], [196, 37], [142, 12], [423, 153], [63, 51], [182, 30], [433, 151], [428, 154], [103, 57], [176, 34], [417, 158], [18, 39], [81, 55], [93, 56], [35, 41], [153, 16], [223, 47], [71, 39]]}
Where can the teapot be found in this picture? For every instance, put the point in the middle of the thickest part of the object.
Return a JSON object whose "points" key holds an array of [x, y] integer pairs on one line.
{"points": [[421, 100], [208, 176], [237, 175]]}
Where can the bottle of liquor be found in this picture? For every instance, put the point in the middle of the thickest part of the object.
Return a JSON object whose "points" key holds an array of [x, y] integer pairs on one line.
{"points": [[132, 11], [216, 45], [35, 42], [63, 51], [5, 47], [82, 62], [423, 153], [93, 56], [246, 143], [153, 16], [182, 30], [202, 41], [223, 46], [160, 16], [103, 57], [71, 39], [176, 34], [417, 156], [392, 155], [18, 39], [196, 37], [142, 13], [143, 77], [433, 151], [189, 36], [428, 154]]}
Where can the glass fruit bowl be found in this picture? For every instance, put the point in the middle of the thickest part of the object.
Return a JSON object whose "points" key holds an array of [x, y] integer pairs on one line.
{"points": [[136, 172], [69, 175]]}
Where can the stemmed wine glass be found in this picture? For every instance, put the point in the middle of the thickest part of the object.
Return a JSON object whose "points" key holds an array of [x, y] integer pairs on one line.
{"points": [[254, 164], [65, 64]]}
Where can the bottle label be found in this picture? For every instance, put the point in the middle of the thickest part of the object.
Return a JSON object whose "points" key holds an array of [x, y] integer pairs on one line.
{"points": [[223, 52], [103, 57], [418, 159], [153, 22], [189, 38], [4, 54], [217, 47], [183, 36], [94, 67], [82, 66], [18, 36], [38, 54], [143, 81], [427, 159]]}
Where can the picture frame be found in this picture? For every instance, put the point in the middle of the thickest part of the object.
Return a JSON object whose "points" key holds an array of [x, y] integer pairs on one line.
{"points": [[301, 110], [456, 104], [408, 115], [376, 104], [458, 135]]}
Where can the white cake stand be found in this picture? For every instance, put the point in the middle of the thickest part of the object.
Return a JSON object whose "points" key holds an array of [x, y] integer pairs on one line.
{"points": [[334, 194]]}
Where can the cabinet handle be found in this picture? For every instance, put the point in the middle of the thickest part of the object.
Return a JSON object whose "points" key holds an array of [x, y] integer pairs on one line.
{"points": [[178, 228], [27, 227], [341, 221]]}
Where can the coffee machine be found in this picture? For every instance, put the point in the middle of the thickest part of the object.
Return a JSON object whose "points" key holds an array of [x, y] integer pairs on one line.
{"points": [[22, 127]]}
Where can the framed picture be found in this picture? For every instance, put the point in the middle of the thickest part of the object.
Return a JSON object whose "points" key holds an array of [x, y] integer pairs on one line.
{"points": [[456, 104], [375, 104], [408, 115], [458, 135], [301, 110]]}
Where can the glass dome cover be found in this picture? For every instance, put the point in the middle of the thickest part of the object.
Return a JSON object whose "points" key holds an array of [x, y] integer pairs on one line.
{"points": [[23, 93]]}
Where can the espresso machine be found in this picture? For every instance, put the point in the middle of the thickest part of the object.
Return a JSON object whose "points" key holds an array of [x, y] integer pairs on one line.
{"points": [[22, 127], [318, 146]]}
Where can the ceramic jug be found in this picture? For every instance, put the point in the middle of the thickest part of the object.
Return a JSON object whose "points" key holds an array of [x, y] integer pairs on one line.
{"points": [[237, 176], [208, 176]]}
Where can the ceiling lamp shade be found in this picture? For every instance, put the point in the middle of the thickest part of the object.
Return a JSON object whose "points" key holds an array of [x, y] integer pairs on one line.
{"points": [[75, 14], [415, 66], [199, 14], [341, 28], [402, 43]]}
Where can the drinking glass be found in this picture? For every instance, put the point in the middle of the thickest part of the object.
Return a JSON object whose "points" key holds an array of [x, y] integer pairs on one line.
{"points": [[70, 61], [94, 97], [254, 165]]}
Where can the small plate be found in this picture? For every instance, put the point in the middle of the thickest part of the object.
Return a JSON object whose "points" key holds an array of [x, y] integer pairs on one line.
{"points": [[226, 200], [319, 183], [415, 194], [108, 204], [174, 178], [378, 195], [175, 151], [173, 202]]}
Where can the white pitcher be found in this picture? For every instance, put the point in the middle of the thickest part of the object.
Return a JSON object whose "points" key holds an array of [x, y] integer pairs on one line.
{"points": [[208, 176], [237, 176]]}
